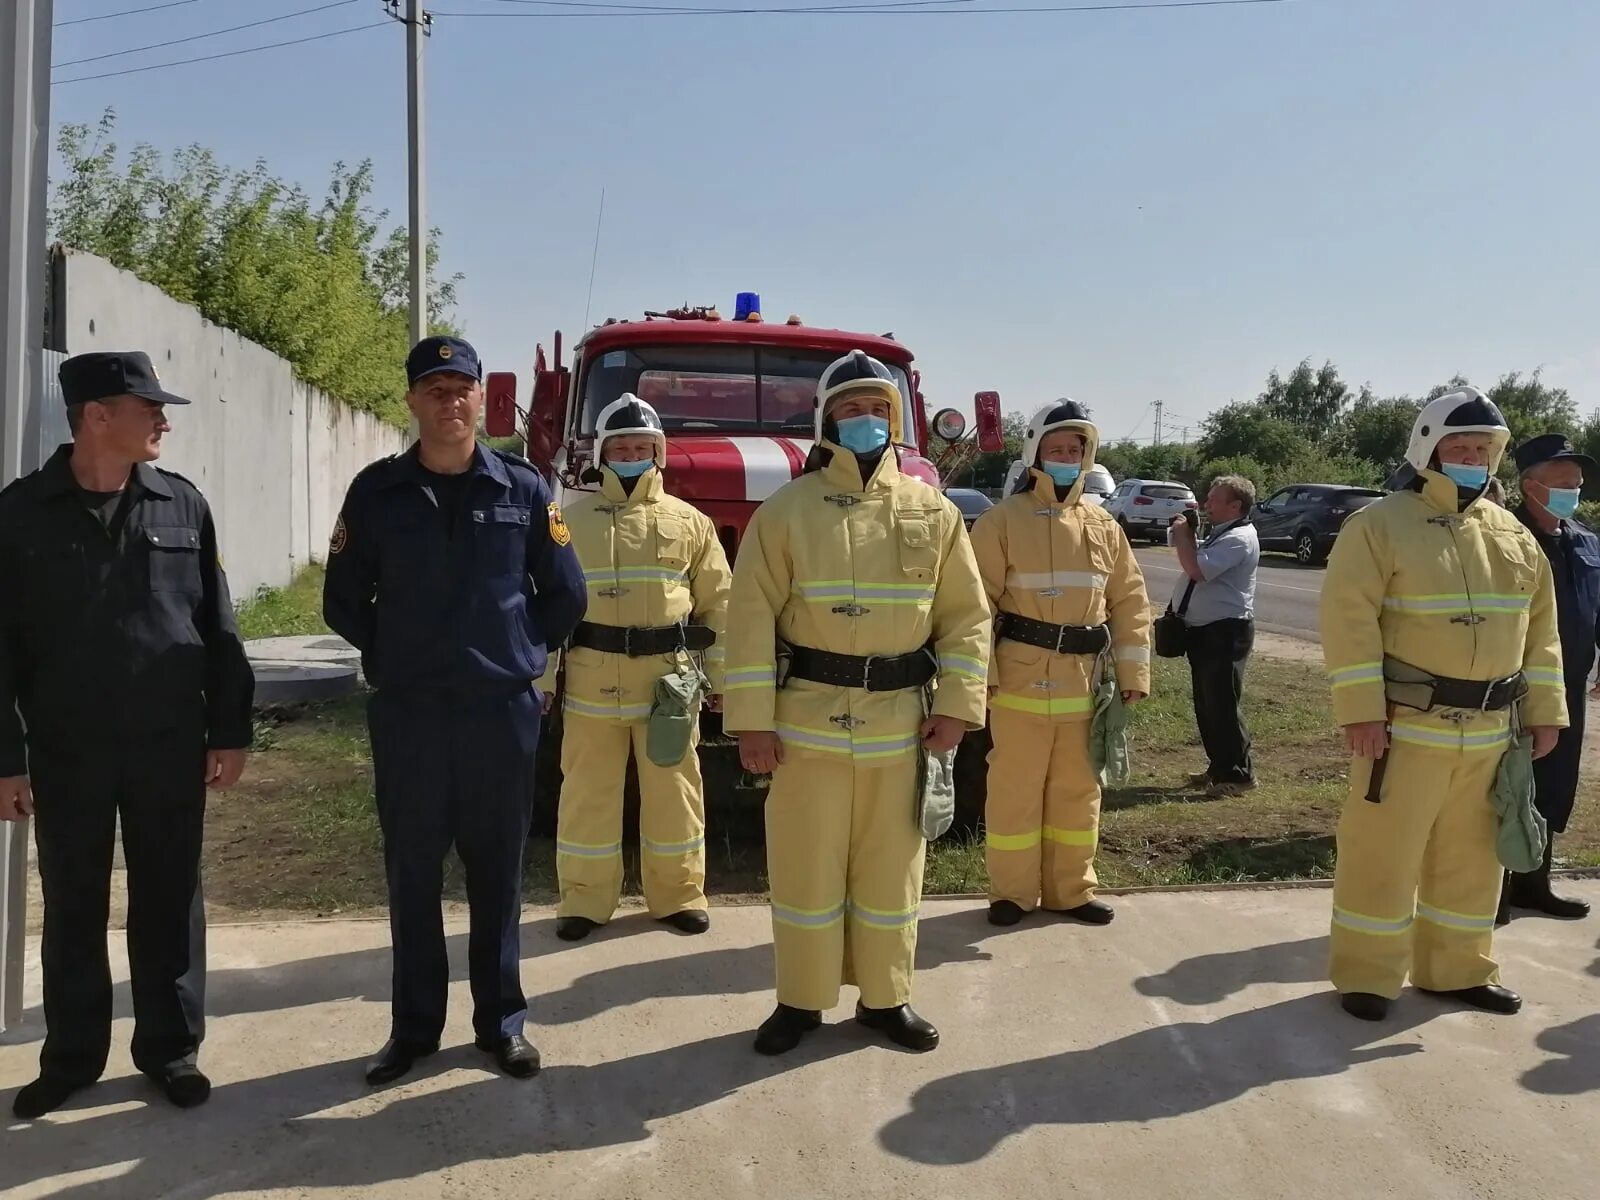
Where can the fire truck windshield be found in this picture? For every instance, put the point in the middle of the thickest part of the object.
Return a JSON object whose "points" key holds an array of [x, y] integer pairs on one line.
{"points": [[718, 389]]}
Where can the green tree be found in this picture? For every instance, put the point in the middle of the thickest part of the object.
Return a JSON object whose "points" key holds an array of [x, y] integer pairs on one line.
{"points": [[1309, 400], [1250, 428], [323, 285], [1379, 430]]}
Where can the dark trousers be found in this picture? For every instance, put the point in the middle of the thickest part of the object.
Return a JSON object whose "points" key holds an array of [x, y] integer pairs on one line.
{"points": [[156, 783], [1217, 654], [453, 772], [1555, 776]]}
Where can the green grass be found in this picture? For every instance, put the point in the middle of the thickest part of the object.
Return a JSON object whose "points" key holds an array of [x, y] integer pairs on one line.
{"points": [[301, 834], [279, 612]]}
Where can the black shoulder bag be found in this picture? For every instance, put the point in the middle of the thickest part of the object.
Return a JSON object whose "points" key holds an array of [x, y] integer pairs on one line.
{"points": [[1171, 634]]}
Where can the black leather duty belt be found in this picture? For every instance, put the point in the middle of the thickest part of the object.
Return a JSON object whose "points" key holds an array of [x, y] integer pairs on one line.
{"points": [[1063, 639], [638, 641], [873, 672]]}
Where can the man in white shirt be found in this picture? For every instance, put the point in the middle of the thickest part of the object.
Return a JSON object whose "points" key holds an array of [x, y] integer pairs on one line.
{"points": [[1220, 616]]}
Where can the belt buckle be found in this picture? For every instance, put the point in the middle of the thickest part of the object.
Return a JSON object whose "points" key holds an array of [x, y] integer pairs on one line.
{"points": [[627, 641], [1061, 636], [866, 671]]}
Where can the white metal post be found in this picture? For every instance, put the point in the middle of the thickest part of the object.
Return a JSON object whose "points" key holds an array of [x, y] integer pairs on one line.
{"points": [[25, 126]]}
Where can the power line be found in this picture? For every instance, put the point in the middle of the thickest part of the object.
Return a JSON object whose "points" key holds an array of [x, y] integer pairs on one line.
{"points": [[127, 12], [198, 37], [886, 10], [183, 62], [684, 9]]}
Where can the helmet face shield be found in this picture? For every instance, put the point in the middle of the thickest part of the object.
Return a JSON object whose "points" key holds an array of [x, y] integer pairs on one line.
{"points": [[1465, 410], [1061, 414], [854, 374], [629, 416]]}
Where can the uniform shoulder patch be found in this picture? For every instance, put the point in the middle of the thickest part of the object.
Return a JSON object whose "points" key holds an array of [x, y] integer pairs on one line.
{"points": [[559, 533], [340, 538]]}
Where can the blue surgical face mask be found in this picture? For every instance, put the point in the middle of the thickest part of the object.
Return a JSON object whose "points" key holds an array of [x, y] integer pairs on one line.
{"points": [[631, 470], [1561, 502], [863, 435], [1064, 474], [1470, 478]]}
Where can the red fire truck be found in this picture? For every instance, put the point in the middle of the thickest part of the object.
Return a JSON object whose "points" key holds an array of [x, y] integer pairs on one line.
{"points": [[735, 400]]}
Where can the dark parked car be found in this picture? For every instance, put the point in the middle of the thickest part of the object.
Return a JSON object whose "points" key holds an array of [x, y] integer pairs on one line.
{"points": [[1304, 519], [973, 504]]}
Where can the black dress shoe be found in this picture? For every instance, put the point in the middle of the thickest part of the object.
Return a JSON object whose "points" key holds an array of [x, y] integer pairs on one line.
{"points": [[44, 1095], [782, 1031], [1490, 997], [690, 920], [902, 1025], [1004, 912], [516, 1055], [1365, 1005], [183, 1083], [396, 1059], [1545, 901], [1095, 912], [575, 929]]}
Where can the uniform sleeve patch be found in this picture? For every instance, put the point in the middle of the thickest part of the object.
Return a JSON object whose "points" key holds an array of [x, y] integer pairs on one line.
{"points": [[340, 538], [559, 533]]}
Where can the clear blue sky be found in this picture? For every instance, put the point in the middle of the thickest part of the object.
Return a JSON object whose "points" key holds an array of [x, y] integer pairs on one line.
{"points": [[1117, 206]]}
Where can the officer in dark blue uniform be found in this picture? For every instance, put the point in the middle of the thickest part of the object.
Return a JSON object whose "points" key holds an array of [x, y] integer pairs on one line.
{"points": [[1552, 480], [450, 570]]}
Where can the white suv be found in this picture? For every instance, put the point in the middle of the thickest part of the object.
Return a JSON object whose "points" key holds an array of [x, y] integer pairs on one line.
{"points": [[1145, 507]]}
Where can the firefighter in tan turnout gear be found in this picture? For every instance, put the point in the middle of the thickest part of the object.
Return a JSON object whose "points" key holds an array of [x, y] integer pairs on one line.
{"points": [[658, 598], [1439, 629], [1070, 605], [855, 592]]}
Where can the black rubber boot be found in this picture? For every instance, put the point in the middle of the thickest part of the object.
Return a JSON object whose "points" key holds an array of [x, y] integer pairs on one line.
{"points": [[690, 920], [1490, 997], [575, 929], [1532, 891], [782, 1031], [902, 1025], [1365, 1005], [1004, 912], [1095, 912]]}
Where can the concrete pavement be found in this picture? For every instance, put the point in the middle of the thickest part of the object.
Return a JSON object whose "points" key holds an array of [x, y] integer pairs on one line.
{"points": [[1191, 1049]]}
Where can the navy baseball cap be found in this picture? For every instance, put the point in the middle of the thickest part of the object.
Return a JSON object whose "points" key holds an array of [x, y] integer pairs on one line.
{"points": [[1550, 447], [435, 354], [105, 374]]}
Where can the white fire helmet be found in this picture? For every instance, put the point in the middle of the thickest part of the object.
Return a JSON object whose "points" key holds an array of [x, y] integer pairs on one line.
{"points": [[858, 371], [1060, 414], [629, 416], [1465, 410]]}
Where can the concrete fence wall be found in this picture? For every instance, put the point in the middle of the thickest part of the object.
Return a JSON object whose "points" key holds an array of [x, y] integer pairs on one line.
{"points": [[272, 454]]}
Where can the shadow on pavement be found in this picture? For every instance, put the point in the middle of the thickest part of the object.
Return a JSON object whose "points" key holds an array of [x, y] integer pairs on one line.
{"points": [[351, 975], [949, 938], [1156, 1073], [1577, 1070], [1212, 978], [364, 974], [277, 1133]]}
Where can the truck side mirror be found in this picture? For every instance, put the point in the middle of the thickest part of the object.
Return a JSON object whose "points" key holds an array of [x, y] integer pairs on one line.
{"points": [[547, 413], [986, 410], [500, 404]]}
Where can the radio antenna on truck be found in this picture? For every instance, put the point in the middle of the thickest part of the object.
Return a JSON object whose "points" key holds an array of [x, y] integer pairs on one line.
{"points": [[595, 258]]}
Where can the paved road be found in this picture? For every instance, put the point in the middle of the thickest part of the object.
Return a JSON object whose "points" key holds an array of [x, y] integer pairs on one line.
{"points": [[1287, 594]]}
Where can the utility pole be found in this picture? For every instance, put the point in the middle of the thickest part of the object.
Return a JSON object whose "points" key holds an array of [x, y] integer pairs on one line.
{"points": [[24, 138], [419, 26], [1159, 405]]}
